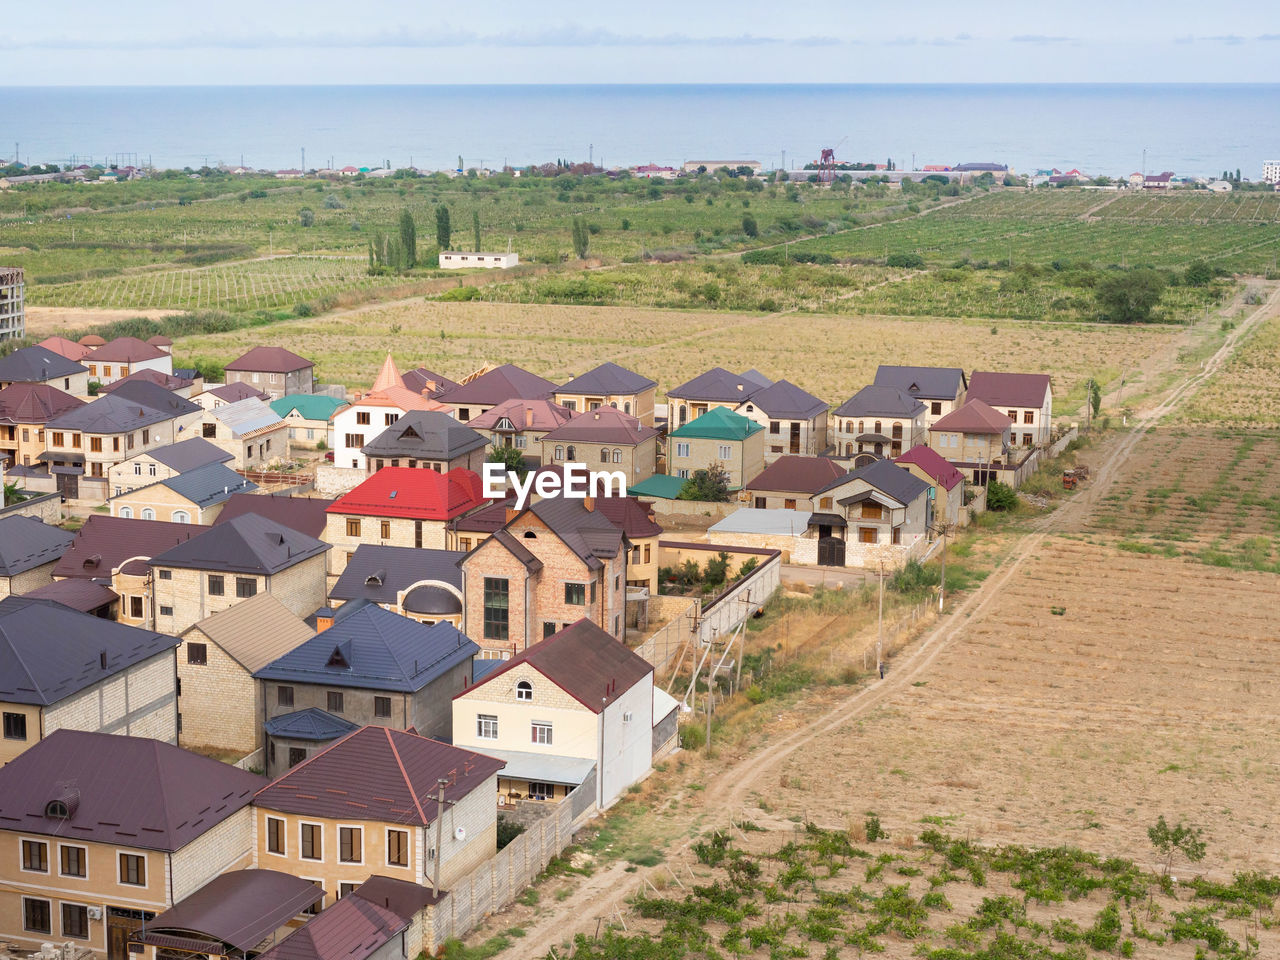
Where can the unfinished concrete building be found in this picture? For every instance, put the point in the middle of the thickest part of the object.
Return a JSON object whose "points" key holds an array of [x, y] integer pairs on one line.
{"points": [[12, 320]]}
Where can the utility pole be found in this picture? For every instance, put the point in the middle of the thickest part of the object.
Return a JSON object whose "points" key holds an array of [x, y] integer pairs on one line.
{"points": [[304, 160], [710, 666], [880, 627], [442, 782], [942, 588]]}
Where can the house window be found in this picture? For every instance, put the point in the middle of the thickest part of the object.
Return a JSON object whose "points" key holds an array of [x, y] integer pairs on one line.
{"points": [[35, 915], [350, 845], [486, 726], [198, 654], [106, 369], [559, 453], [284, 696], [246, 587], [789, 504], [312, 847], [355, 441], [1028, 416], [275, 835], [148, 513], [521, 441], [346, 888], [417, 534], [548, 629], [335, 701], [935, 408], [646, 553], [217, 585], [296, 756], [135, 608], [872, 511], [385, 530], [496, 605], [897, 535], [682, 474], [1027, 440], [540, 733], [126, 513], [137, 469], [35, 856], [397, 848], [133, 870], [57, 438], [95, 444], [181, 516], [575, 593], [362, 417], [1013, 415], [569, 451], [353, 526], [318, 905], [775, 426], [75, 921], [115, 443], [146, 437], [604, 454], [682, 449], [524, 690], [209, 431], [382, 707], [72, 861], [390, 418], [617, 455], [15, 726], [541, 791], [166, 611], [824, 503], [725, 451]]}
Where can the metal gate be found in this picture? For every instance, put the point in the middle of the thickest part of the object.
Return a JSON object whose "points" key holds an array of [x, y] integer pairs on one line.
{"points": [[831, 552]]}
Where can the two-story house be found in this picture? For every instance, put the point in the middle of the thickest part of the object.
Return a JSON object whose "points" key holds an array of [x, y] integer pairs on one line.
{"points": [[942, 389], [123, 356], [484, 392], [416, 582], [194, 496], [24, 410], [100, 833], [248, 429], [231, 562], [164, 463], [273, 370], [551, 564], [400, 507], [947, 481], [369, 414], [98, 676], [610, 385], [721, 437], [881, 512], [879, 421], [1026, 398], [29, 550], [717, 387], [370, 666], [521, 424], [795, 419], [318, 822], [637, 523], [976, 438], [427, 439], [41, 365], [604, 439], [577, 701], [309, 417], [789, 482]]}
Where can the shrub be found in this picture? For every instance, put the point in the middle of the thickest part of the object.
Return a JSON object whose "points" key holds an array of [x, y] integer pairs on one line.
{"points": [[306, 216], [750, 227], [1001, 496], [910, 261], [693, 736], [460, 294], [508, 830]]}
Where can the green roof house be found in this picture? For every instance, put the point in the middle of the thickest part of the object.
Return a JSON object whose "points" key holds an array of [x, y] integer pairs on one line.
{"points": [[309, 416], [718, 436]]}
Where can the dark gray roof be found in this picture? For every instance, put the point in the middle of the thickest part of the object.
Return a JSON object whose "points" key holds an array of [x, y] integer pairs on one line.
{"points": [[156, 397], [26, 543], [126, 791], [304, 514], [309, 724], [88, 650], [374, 649], [930, 383], [720, 385], [205, 486], [378, 573], [588, 533], [425, 435], [189, 454], [887, 477], [109, 414], [878, 400], [245, 544], [36, 364], [608, 379], [785, 401]]}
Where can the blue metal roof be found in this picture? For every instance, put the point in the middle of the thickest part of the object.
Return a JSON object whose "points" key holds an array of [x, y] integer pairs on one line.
{"points": [[309, 724], [210, 484], [374, 649]]}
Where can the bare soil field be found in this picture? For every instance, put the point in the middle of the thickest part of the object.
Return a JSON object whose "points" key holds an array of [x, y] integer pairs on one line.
{"points": [[1246, 392], [47, 321], [831, 356]]}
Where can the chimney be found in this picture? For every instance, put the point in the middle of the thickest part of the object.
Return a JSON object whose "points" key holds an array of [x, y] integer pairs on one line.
{"points": [[597, 414], [739, 388], [432, 386], [324, 621], [589, 502], [528, 417]]}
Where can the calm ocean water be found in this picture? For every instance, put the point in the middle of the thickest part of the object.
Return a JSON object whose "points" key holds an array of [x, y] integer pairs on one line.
{"points": [[1190, 129]]}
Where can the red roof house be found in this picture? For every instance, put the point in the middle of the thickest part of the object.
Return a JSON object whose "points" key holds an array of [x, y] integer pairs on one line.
{"points": [[415, 494]]}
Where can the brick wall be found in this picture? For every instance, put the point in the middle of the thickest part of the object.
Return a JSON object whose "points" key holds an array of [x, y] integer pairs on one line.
{"points": [[226, 846], [402, 532], [28, 580], [301, 588], [140, 701], [744, 463], [220, 702]]}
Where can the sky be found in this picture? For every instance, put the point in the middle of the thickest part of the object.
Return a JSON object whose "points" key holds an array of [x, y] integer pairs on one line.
{"points": [[159, 42]]}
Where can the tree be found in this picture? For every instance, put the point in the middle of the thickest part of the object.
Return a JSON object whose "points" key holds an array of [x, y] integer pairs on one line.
{"points": [[710, 485], [1183, 839], [512, 458], [306, 216], [1094, 396], [581, 238], [442, 226], [1001, 496], [750, 227], [1129, 297], [408, 240], [1198, 274], [11, 495]]}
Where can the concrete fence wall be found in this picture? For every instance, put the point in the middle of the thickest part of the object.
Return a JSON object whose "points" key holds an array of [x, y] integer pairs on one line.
{"points": [[724, 612], [254, 761], [1062, 441], [47, 508], [689, 508], [661, 648], [334, 481]]}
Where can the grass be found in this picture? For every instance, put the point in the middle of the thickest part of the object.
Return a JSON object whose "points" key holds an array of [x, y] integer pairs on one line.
{"points": [[1246, 391]]}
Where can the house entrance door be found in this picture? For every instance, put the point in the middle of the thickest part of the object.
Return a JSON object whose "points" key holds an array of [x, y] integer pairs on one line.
{"points": [[831, 552], [121, 923]]}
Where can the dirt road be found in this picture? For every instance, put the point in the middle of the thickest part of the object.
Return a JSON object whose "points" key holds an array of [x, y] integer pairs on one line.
{"points": [[730, 787]]}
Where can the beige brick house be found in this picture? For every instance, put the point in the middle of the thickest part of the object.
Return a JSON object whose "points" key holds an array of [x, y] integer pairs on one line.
{"points": [[273, 370], [196, 496], [610, 385], [604, 439], [941, 389], [319, 823], [722, 437], [99, 677], [29, 550], [795, 420], [163, 463], [549, 565], [24, 410], [221, 702], [975, 437], [717, 387], [1027, 400], [249, 430], [878, 422], [232, 562]]}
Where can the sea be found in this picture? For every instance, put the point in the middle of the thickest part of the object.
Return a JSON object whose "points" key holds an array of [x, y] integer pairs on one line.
{"points": [[1113, 129]]}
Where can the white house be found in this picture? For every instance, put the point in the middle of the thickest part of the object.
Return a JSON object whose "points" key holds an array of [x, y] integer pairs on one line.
{"points": [[371, 413], [124, 356], [576, 701], [457, 260]]}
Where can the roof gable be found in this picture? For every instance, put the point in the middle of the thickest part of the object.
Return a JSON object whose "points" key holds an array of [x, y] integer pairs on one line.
{"points": [[933, 464], [608, 379], [720, 385], [427, 435], [1010, 389], [603, 425], [973, 416], [256, 631], [878, 400], [269, 360], [499, 384], [245, 544], [785, 401], [930, 383], [34, 364]]}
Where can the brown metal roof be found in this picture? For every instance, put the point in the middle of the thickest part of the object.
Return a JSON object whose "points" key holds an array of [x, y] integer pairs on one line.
{"points": [[126, 350], [379, 774], [269, 360], [352, 929], [603, 425], [34, 403], [256, 631], [629, 515], [975, 416], [584, 662], [82, 595], [1009, 389], [401, 897], [169, 797], [303, 514], [797, 474]]}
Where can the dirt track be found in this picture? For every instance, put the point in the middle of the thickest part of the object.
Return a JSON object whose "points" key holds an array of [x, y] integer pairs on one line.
{"points": [[972, 722]]}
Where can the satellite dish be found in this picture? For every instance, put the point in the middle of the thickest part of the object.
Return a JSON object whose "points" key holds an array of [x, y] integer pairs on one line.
{"points": [[460, 833]]}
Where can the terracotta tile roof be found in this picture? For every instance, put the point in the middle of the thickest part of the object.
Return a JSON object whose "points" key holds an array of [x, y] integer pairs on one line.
{"points": [[399, 398], [603, 425], [536, 414], [798, 474], [974, 416], [502, 383], [933, 464], [381, 775], [34, 403], [1009, 389], [584, 662], [169, 798], [269, 360], [413, 493]]}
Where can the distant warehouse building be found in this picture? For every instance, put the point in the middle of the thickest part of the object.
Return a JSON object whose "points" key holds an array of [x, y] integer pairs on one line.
{"points": [[711, 166], [12, 319], [456, 260]]}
